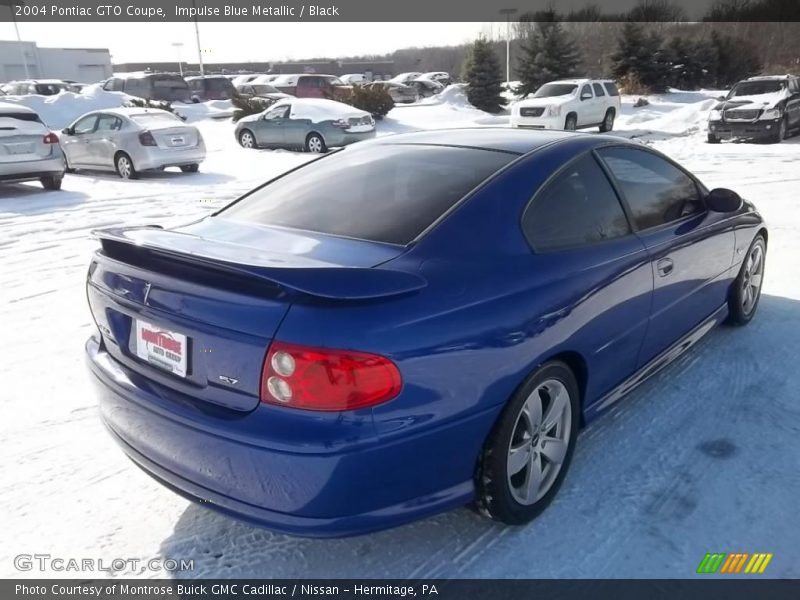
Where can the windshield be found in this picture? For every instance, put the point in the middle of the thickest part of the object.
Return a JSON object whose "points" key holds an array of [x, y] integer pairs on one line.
{"points": [[550, 90], [148, 118], [385, 193], [265, 89], [755, 88]]}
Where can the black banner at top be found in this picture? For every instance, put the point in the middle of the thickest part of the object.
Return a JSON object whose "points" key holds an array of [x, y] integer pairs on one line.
{"points": [[400, 11]]}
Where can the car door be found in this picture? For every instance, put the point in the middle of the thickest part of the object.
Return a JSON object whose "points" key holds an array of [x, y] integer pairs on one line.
{"points": [[587, 252], [76, 143], [586, 108], [269, 130], [600, 102], [104, 141], [691, 248], [793, 103]]}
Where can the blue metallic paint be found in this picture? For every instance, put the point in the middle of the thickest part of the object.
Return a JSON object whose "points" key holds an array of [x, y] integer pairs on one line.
{"points": [[490, 311]]}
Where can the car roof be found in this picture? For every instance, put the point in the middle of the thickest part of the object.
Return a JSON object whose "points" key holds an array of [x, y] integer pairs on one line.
{"points": [[18, 108], [770, 78], [500, 139], [206, 77], [126, 111]]}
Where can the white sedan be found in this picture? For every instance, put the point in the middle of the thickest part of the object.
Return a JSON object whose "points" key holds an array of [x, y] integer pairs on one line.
{"points": [[131, 140]]}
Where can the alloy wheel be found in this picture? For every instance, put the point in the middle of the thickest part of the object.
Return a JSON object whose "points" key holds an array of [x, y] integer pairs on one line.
{"points": [[539, 442], [753, 276], [124, 167]]}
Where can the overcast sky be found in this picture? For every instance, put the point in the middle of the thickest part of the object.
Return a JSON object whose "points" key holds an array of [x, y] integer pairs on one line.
{"points": [[223, 42]]}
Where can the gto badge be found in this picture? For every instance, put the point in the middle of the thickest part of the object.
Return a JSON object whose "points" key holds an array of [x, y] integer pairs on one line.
{"points": [[228, 380]]}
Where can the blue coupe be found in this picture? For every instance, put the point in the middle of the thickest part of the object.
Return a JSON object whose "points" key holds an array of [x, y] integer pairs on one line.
{"points": [[432, 330]]}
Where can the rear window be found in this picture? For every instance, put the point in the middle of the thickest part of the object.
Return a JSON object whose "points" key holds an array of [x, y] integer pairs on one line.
{"points": [[611, 88], [169, 83], [148, 118], [21, 116], [218, 85], [386, 193]]}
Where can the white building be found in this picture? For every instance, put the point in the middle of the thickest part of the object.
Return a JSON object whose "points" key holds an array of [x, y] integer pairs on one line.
{"points": [[86, 65]]}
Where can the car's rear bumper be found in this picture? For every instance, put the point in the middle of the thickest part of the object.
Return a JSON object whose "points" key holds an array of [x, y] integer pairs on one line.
{"points": [[320, 490], [744, 130], [336, 138], [33, 169], [156, 158]]}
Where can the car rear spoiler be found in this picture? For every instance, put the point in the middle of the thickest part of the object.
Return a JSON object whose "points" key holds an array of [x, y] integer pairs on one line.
{"points": [[293, 273]]}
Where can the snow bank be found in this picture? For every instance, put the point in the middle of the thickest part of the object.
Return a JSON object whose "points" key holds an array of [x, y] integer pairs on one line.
{"points": [[62, 109], [213, 109]]}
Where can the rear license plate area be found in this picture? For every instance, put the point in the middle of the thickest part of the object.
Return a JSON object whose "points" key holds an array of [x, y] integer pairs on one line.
{"points": [[161, 348]]}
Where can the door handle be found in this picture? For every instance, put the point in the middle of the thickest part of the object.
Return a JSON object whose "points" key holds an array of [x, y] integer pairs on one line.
{"points": [[664, 267]]}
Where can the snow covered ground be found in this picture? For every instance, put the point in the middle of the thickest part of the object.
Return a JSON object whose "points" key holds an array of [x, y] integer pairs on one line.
{"points": [[703, 458]]}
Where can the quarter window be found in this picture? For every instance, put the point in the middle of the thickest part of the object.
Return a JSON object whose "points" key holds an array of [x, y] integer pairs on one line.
{"points": [[656, 191], [578, 207]]}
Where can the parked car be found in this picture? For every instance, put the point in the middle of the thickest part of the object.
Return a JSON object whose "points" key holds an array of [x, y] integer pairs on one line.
{"points": [[265, 79], [165, 87], [29, 151], [354, 79], [237, 80], [759, 108], [426, 87], [387, 344], [569, 104], [401, 94], [311, 86], [312, 124], [405, 77], [131, 140], [210, 87], [260, 90], [40, 87], [441, 77]]}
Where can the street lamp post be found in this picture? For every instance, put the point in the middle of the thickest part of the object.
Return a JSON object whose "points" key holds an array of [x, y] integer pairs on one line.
{"points": [[508, 12], [178, 46], [197, 37]]}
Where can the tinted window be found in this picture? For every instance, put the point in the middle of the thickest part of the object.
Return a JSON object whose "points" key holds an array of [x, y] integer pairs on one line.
{"points": [[611, 88], [598, 90], [549, 90], [385, 193], [168, 82], [657, 191], [586, 91], [218, 85], [578, 207], [21, 116]]}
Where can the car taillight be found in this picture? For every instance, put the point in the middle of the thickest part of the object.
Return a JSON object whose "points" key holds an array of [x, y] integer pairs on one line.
{"points": [[342, 123], [50, 138], [146, 139], [326, 379]]}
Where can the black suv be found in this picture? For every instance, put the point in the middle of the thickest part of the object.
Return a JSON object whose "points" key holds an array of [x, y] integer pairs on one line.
{"points": [[759, 108]]}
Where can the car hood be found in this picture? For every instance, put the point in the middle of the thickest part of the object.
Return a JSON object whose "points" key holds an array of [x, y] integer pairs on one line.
{"points": [[549, 101], [758, 101]]}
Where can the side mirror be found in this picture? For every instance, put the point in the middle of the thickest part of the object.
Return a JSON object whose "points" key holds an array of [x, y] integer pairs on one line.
{"points": [[586, 97], [67, 131], [723, 200], [720, 98]]}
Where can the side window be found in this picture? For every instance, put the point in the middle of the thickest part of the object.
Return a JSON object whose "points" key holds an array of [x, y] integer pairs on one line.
{"points": [[578, 207], [85, 125], [598, 90], [277, 113], [310, 82], [611, 88], [657, 191], [108, 123], [586, 90]]}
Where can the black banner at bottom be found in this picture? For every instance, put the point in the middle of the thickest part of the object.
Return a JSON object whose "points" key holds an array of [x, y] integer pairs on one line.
{"points": [[439, 589]]}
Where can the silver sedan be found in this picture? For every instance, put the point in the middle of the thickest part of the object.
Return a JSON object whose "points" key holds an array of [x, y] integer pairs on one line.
{"points": [[132, 140]]}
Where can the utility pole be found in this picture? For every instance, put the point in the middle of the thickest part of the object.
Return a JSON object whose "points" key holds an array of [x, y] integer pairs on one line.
{"points": [[178, 46], [197, 37], [508, 12], [11, 4]]}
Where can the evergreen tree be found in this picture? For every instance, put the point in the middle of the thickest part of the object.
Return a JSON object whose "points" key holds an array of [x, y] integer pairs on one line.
{"points": [[736, 59], [548, 53], [483, 76], [642, 60]]}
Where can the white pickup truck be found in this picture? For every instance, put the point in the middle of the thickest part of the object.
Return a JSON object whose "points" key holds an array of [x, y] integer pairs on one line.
{"points": [[569, 104]]}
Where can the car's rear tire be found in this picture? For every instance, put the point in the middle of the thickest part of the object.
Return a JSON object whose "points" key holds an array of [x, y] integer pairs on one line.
{"points": [[780, 133], [247, 139], [712, 139], [51, 183], [746, 291], [608, 121], [124, 166], [315, 143], [571, 123], [527, 454], [193, 168]]}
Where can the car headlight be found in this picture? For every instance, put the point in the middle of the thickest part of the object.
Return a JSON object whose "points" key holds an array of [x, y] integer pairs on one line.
{"points": [[554, 110], [771, 113], [715, 115]]}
